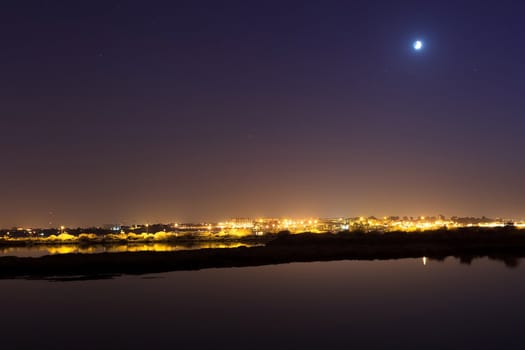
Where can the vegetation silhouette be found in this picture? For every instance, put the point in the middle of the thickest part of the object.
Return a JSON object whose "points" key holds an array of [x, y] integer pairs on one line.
{"points": [[506, 244]]}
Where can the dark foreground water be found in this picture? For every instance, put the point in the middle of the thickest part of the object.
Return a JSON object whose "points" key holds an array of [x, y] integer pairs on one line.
{"points": [[394, 304]]}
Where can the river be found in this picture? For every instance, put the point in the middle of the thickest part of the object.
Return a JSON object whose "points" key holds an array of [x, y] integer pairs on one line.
{"points": [[389, 304]]}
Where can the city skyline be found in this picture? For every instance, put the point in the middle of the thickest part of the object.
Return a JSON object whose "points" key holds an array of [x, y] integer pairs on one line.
{"points": [[252, 228], [285, 222]]}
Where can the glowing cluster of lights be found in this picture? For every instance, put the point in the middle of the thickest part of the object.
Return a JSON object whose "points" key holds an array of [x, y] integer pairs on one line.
{"points": [[260, 226]]}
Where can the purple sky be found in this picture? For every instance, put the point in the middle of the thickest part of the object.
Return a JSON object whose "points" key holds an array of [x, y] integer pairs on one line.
{"points": [[147, 111]]}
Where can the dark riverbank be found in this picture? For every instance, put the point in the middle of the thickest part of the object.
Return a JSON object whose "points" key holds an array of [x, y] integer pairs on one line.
{"points": [[505, 244]]}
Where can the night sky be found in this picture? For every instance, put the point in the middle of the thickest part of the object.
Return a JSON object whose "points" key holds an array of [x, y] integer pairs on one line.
{"points": [[172, 111]]}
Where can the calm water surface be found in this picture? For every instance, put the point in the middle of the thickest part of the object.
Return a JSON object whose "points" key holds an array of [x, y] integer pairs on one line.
{"points": [[322, 305], [38, 250]]}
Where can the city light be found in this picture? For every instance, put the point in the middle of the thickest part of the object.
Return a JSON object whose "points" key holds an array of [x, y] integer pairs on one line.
{"points": [[246, 227]]}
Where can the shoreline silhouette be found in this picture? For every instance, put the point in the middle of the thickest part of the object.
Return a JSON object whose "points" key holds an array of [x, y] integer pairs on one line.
{"points": [[504, 244]]}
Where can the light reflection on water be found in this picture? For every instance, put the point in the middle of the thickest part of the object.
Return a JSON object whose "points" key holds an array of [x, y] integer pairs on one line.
{"points": [[41, 250], [380, 304]]}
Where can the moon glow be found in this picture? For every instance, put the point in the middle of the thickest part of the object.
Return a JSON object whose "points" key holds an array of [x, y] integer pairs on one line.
{"points": [[418, 45]]}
